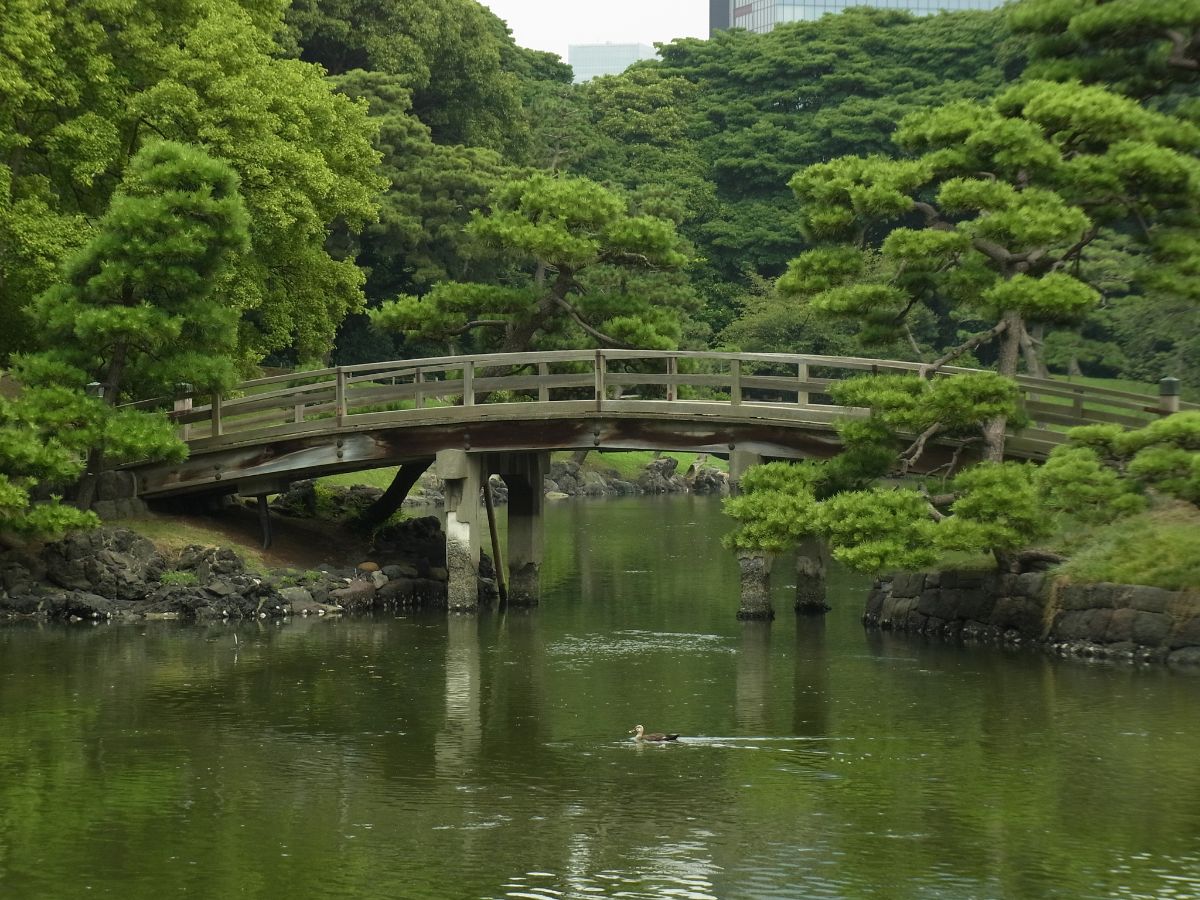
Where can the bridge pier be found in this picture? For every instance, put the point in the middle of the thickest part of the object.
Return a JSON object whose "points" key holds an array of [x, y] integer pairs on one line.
{"points": [[524, 474], [464, 474]]}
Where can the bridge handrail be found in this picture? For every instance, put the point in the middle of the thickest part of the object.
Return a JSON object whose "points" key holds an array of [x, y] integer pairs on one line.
{"points": [[349, 394]]}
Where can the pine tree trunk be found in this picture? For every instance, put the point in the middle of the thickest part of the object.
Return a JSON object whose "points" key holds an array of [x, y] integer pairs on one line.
{"points": [[391, 500], [1010, 355]]}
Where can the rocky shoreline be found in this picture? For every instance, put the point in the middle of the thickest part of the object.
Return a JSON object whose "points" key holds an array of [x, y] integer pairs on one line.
{"points": [[1132, 623], [115, 574]]}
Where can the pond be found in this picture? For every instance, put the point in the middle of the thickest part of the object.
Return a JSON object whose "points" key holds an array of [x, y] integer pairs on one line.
{"points": [[434, 756]]}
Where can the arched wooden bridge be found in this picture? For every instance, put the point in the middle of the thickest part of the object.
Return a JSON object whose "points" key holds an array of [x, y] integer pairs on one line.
{"points": [[279, 429]]}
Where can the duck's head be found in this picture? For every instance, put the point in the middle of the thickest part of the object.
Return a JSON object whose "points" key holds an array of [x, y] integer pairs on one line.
{"points": [[637, 730]]}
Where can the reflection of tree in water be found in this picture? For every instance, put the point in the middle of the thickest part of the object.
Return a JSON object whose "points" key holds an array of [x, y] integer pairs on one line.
{"points": [[810, 678], [753, 712]]}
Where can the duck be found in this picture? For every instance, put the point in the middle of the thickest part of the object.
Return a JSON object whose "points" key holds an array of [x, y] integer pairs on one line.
{"points": [[639, 734]]}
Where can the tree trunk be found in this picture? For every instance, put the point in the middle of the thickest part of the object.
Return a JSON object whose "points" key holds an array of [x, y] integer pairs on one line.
{"points": [[1010, 354], [1033, 361], [381, 510]]}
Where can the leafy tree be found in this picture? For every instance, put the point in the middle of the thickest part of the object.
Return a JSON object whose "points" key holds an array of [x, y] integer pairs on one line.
{"points": [[996, 508], [581, 266], [433, 191], [879, 529], [455, 56], [1142, 47], [142, 305], [766, 105], [104, 77], [40, 450], [992, 215], [1076, 482], [776, 507]]}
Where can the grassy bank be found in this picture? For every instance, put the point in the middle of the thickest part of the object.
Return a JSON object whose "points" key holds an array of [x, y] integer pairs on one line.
{"points": [[1160, 548]]}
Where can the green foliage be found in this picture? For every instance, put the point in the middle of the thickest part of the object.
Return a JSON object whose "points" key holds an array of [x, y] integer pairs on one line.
{"points": [[455, 56], [104, 77], [137, 309], [998, 509], [776, 508], [1075, 482], [43, 436], [1164, 455], [433, 189], [1127, 43], [879, 529], [582, 267]]}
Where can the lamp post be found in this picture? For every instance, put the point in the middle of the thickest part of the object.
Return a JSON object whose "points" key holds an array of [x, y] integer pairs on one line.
{"points": [[1168, 396]]}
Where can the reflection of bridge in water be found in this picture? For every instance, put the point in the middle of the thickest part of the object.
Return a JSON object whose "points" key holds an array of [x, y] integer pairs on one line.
{"points": [[502, 414]]}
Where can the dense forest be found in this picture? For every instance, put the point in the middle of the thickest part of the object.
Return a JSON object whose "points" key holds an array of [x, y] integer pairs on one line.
{"points": [[191, 189]]}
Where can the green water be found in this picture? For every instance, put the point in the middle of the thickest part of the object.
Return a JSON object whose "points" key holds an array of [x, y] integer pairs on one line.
{"points": [[433, 757]]}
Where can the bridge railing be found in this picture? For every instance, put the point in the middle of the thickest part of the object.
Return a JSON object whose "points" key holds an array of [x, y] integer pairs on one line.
{"points": [[627, 382]]}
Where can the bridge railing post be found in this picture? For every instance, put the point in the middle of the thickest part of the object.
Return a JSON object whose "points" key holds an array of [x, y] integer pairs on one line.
{"points": [[419, 397], [217, 427], [672, 373], [469, 383], [601, 373], [735, 382], [802, 395], [543, 388], [183, 404], [339, 397]]}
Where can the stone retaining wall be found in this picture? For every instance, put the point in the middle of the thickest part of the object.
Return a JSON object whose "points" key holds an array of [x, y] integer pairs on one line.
{"points": [[1096, 620]]}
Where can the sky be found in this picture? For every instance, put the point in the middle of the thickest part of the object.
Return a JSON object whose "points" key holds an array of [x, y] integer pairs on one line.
{"points": [[553, 24]]}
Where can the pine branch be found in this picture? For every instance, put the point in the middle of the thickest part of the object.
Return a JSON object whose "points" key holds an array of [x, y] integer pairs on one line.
{"points": [[582, 323], [1181, 44], [478, 323], [915, 450], [970, 344]]}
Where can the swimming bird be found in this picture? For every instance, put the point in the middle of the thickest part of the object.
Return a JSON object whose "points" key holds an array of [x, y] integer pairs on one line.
{"points": [[639, 734]]}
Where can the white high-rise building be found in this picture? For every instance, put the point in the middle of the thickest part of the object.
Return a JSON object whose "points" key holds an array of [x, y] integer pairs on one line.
{"points": [[593, 60], [763, 15]]}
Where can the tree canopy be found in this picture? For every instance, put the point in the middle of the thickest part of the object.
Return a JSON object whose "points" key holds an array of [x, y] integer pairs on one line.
{"points": [[98, 79], [578, 264]]}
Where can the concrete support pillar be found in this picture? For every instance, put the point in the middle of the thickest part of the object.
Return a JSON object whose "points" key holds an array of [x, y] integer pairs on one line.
{"points": [[756, 586], [810, 577], [740, 462], [524, 473], [463, 475]]}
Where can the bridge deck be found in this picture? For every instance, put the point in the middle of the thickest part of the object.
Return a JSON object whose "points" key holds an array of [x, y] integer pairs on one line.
{"points": [[299, 425]]}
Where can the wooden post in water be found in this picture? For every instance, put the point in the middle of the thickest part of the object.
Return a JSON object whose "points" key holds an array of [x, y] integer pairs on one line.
{"points": [[524, 473], [497, 559]]}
